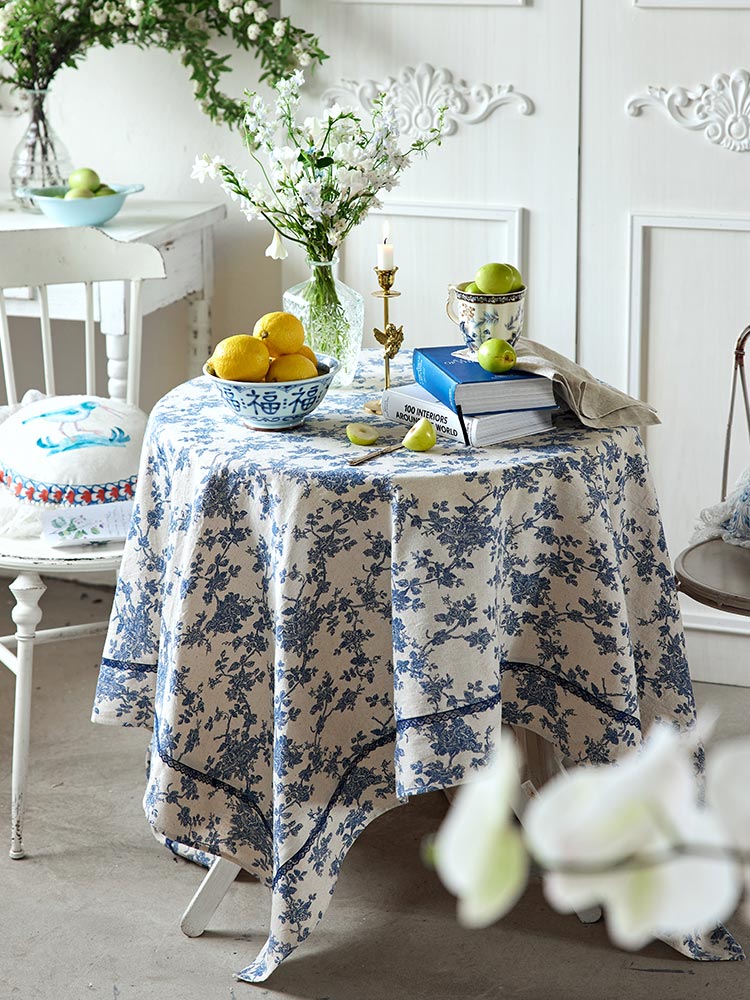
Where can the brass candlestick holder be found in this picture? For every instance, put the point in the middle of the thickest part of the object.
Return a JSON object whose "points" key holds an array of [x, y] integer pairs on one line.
{"points": [[391, 337]]}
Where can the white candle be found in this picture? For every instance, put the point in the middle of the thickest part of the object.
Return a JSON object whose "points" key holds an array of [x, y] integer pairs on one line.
{"points": [[385, 251]]}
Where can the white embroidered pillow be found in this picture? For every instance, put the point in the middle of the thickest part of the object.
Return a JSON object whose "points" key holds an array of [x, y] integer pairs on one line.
{"points": [[72, 450]]}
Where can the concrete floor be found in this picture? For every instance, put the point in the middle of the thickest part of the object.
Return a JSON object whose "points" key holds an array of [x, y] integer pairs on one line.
{"points": [[93, 911]]}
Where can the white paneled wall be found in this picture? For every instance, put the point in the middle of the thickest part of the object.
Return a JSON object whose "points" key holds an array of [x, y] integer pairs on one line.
{"points": [[665, 250]]}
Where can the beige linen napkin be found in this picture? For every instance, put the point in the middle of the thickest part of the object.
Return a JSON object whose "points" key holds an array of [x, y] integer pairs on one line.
{"points": [[594, 403]]}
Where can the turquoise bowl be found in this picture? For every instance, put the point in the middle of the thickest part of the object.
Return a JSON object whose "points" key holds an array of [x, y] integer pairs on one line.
{"points": [[80, 211], [276, 406]]}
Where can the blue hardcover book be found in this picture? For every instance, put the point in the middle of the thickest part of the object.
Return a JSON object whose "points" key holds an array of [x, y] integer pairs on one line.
{"points": [[465, 384]]}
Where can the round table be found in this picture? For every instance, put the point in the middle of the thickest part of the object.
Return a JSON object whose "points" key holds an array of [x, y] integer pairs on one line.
{"points": [[314, 643]]}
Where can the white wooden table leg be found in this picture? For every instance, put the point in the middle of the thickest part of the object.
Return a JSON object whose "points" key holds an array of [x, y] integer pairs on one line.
{"points": [[210, 893], [541, 765], [199, 309], [199, 318], [27, 590]]}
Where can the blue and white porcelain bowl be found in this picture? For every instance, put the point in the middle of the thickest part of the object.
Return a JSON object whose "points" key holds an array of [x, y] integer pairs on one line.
{"points": [[276, 406]]}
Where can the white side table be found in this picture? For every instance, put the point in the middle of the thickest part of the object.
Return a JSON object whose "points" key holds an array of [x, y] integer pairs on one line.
{"points": [[181, 230]]}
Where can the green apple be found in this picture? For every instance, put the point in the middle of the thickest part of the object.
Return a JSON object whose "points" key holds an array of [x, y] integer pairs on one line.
{"points": [[103, 191], [421, 437], [361, 433], [84, 177], [472, 288], [518, 281], [78, 193], [496, 356], [495, 279]]}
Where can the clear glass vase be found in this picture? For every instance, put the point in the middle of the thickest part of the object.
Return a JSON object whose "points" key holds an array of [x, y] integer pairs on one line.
{"points": [[332, 314], [40, 159]]}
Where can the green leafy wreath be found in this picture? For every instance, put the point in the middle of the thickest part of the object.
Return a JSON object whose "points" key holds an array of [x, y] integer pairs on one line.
{"points": [[40, 37]]}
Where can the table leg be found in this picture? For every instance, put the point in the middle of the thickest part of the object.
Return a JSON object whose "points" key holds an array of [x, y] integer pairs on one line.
{"points": [[540, 765], [210, 893], [199, 318]]}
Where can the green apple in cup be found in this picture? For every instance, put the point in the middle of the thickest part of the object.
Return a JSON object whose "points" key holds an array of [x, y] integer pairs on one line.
{"points": [[103, 191], [518, 281], [421, 437], [472, 288], [496, 356], [78, 193], [495, 279], [85, 178]]}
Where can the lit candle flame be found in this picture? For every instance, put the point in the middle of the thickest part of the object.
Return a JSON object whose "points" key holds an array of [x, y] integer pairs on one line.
{"points": [[386, 231]]}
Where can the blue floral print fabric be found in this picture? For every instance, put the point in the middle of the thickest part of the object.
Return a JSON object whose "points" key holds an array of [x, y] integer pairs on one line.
{"points": [[313, 643]]}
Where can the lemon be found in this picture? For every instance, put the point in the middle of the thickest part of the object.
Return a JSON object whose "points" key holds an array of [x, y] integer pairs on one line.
{"points": [[307, 352], [241, 358], [290, 368], [361, 433], [281, 332]]}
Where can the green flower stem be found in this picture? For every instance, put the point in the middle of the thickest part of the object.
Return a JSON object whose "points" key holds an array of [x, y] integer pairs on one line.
{"points": [[328, 329]]}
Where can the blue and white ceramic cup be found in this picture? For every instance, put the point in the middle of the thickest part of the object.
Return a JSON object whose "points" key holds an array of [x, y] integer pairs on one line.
{"points": [[481, 317]]}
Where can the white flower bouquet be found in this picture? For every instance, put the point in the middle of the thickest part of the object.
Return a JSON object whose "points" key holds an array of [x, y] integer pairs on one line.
{"points": [[318, 179]]}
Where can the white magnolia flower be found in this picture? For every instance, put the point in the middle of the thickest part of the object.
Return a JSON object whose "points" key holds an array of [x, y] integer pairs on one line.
{"points": [[304, 59], [279, 29], [205, 166], [253, 32], [236, 14], [261, 15], [479, 854], [727, 793], [251, 6], [225, 5], [276, 249], [631, 820]]}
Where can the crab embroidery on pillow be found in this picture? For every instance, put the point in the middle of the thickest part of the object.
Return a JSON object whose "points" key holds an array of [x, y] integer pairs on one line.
{"points": [[72, 417]]}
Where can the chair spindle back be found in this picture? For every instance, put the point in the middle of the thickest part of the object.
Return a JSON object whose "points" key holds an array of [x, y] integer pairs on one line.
{"points": [[40, 258]]}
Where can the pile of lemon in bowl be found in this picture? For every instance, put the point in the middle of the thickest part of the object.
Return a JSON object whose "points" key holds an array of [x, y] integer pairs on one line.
{"points": [[275, 352]]}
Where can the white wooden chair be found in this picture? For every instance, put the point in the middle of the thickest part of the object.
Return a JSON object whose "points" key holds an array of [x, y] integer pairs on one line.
{"points": [[38, 259]]}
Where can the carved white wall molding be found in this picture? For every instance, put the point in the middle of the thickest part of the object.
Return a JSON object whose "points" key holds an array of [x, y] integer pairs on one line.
{"points": [[419, 94], [721, 109]]}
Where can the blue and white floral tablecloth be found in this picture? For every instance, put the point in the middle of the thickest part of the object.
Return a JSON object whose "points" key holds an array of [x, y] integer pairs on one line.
{"points": [[314, 643]]}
